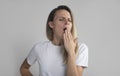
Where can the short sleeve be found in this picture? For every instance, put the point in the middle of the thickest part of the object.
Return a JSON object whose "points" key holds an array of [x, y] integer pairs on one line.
{"points": [[32, 56], [82, 56]]}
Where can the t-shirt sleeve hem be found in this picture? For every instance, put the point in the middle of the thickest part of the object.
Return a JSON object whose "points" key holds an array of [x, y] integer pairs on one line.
{"points": [[28, 61], [84, 66]]}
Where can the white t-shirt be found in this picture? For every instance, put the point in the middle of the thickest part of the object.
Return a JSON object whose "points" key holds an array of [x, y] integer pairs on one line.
{"points": [[50, 58]]}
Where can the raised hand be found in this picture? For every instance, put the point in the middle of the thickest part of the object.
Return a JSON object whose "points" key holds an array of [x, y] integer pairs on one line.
{"points": [[69, 42]]}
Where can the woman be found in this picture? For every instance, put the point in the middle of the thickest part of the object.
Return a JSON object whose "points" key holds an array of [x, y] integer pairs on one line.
{"points": [[62, 55]]}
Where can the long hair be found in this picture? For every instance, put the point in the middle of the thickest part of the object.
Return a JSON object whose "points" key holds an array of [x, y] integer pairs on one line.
{"points": [[49, 31]]}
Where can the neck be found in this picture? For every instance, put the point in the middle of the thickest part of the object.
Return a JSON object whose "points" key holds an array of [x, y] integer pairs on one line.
{"points": [[56, 41]]}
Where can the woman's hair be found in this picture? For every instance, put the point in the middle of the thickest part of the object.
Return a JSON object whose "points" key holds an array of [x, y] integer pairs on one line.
{"points": [[49, 31]]}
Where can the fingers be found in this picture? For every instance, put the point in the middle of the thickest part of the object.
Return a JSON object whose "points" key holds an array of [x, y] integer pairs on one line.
{"points": [[76, 40], [71, 37], [68, 35], [69, 42]]}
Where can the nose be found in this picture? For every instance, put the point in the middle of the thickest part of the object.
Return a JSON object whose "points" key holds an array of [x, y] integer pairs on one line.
{"points": [[66, 21]]}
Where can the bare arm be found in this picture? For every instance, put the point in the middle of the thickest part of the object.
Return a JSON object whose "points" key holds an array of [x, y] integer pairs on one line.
{"points": [[24, 69], [72, 68], [70, 44]]}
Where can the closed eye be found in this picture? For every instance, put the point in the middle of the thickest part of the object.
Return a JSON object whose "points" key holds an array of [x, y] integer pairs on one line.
{"points": [[69, 20], [63, 19]]}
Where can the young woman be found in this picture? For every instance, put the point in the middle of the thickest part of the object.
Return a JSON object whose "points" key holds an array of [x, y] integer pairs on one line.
{"points": [[62, 55]]}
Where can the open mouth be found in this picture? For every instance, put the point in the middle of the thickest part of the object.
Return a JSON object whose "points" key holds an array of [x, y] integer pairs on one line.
{"points": [[64, 29]]}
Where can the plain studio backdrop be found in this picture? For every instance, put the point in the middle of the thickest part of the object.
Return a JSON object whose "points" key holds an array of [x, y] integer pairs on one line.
{"points": [[23, 23]]}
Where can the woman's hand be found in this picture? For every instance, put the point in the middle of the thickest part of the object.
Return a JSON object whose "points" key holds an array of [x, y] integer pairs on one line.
{"points": [[69, 42]]}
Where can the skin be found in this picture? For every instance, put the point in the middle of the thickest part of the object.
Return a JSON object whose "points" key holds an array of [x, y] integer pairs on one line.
{"points": [[58, 24], [61, 20], [24, 69]]}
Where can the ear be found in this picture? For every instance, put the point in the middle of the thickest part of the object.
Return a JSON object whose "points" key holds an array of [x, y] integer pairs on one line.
{"points": [[51, 24]]}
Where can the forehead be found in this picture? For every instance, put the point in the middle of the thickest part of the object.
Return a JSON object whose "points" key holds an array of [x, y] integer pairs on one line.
{"points": [[62, 13]]}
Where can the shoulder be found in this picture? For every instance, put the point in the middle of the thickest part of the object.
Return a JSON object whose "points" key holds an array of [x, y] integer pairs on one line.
{"points": [[82, 55], [39, 45], [82, 47]]}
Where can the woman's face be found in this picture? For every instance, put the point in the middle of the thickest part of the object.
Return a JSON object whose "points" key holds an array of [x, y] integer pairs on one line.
{"points": [[61, 21]]}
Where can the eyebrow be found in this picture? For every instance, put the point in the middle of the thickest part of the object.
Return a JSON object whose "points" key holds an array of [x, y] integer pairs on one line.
{"points": [[63, 17]]}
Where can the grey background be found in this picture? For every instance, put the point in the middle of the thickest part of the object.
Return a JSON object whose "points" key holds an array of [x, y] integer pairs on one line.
{"points": [[23, 23]]}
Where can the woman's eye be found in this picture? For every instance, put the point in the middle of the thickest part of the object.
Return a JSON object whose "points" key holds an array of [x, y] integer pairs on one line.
{"points": [[61, 19], [70, 20]]}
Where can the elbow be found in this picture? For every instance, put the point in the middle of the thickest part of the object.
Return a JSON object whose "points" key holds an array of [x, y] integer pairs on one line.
{"points": [[22, 69]]}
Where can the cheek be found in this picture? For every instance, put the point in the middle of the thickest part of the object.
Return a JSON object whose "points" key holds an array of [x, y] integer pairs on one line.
{"points": [[59, 25], [58, 28], [70, 27]]}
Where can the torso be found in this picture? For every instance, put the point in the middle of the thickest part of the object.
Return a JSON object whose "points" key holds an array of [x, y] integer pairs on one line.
{"points": [[50, 59]]}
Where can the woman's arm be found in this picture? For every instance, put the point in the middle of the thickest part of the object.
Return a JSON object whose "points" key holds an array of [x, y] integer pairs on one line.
{"points": [[72, 68], [70, 44], [24, 69]]}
